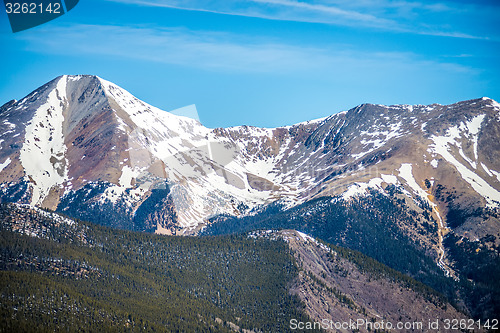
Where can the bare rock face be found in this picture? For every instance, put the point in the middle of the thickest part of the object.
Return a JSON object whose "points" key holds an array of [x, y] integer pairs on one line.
{"points": [[345, 291], [86, 147]]}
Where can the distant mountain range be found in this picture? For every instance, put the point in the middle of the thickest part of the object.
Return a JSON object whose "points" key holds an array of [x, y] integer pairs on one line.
{"points": [[416, 187], [79, 133]]}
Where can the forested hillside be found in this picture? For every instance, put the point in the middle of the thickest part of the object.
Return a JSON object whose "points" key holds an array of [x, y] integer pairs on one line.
{"points": [[57, 274], [382, 227]]}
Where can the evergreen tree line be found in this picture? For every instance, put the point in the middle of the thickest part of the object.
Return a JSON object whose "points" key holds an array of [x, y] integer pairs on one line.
{"points": [[84, 277], [374, 226]]}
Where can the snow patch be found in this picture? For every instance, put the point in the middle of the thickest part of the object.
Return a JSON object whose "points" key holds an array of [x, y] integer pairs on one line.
{"points": [[474, 126], [405, 172], [128, 174], [114, 192], [471, 162], [43, 151], [485, 168], [497, 174], [4, 164], [389, 179], [373, 140], [357, 189], [305, 238], [442, 145]]}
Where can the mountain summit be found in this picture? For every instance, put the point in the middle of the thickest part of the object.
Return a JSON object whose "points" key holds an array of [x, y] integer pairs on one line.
{"points": [[86, 147], [416, 187]]}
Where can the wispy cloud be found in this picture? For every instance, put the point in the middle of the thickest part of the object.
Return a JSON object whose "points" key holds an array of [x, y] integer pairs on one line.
{"points": [[227, 52], [398, 16], [321, 13], [283, 10], [202, 49]]}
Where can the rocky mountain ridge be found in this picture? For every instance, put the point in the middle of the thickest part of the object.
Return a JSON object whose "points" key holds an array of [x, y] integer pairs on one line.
{"points": [[415, 187], [81, 143]]}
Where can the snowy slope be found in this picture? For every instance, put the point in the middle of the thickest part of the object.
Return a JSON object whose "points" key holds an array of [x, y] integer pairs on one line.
{"points": [[84, 137], [43, 152]]}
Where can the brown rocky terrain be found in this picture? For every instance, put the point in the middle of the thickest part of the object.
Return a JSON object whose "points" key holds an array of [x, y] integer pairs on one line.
{"points": [[334, 286]]}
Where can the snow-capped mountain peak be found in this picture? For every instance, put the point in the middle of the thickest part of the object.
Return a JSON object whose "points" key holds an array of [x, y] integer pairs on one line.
{"points": [[80, 144]]}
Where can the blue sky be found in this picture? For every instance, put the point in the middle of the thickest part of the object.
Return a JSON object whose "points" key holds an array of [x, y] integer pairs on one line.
{"points": [[265, 62]]}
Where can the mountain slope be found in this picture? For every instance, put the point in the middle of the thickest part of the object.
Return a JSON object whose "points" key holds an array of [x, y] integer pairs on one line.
{"points": [[342, 284], [82, 135], [415, 187], [82, 132], [58, 273]]}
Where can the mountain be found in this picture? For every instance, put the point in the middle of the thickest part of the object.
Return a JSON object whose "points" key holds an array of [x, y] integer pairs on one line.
{"points": [[81, 143], [62, 274], [58, 274], [342, 284], [414, 187]]}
